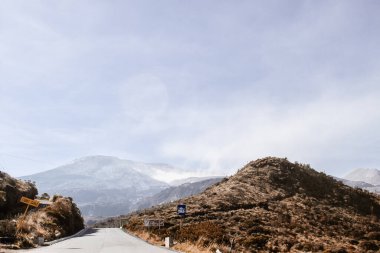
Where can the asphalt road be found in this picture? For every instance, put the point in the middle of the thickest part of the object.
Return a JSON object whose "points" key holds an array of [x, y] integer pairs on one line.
{"points": [[106, 240]]}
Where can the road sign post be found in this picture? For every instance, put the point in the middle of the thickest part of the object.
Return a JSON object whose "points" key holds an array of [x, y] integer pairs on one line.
{"points": [[181, 211], [29, 202]]}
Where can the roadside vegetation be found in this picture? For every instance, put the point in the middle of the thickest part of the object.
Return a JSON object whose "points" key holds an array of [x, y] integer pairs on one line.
{"points": [[270, 205], [58, 217]]}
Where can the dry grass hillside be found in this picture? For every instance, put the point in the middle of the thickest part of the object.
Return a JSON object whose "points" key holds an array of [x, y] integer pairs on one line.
{"points": [[60, 218], [270, 205], [11, 190]]}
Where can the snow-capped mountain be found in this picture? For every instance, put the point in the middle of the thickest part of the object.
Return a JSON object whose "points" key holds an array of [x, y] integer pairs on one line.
{"points": [[371, 176], [359, 184], [367, 179], [101, 185]]}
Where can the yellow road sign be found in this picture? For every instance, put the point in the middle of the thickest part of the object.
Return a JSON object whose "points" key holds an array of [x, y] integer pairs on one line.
{"points": [[28, 201]]}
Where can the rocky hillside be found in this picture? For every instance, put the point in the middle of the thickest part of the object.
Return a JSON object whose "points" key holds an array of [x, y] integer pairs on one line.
{"points": [[11, 191], [59, 218], [271, 205]]}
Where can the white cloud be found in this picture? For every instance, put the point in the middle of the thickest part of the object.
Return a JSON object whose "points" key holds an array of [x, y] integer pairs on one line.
{"points": [[144, 98], [205, 86], [309, 132]]}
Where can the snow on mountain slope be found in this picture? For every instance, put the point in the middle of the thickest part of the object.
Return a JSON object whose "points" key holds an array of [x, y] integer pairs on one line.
{"points": [[103, 172], [360, 184], [100, 183], [371, 176]]}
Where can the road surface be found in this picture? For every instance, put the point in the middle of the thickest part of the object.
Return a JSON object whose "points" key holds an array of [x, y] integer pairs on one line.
{"points": [[106, 240]]}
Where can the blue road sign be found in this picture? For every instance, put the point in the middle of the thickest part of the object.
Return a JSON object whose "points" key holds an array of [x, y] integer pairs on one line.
{"points": [[181, 210]]}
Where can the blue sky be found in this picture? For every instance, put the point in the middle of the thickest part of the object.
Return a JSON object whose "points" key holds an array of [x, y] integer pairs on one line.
{"points": [[203, 85]]}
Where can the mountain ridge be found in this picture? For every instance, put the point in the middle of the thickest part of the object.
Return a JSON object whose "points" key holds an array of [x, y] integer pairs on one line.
{"points": [[104, 186], [271, 205], [174, 193], [98, 168], [100, 185]]}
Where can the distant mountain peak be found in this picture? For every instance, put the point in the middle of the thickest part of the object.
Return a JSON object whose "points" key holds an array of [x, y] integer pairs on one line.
{"points": [[101, 185], [371, 176], [95, 157]]}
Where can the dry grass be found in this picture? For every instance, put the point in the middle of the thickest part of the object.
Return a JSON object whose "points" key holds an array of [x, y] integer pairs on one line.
{"points": [[148, 237], [272, 205], [190, 247], [60, 219], [11, 191], [185, 246]]}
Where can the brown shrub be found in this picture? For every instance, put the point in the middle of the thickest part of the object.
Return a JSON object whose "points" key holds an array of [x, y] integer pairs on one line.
{"points": [[373, 236], [210, 231], [368, 245], [336, 250], [256, 241], [309, 246]]}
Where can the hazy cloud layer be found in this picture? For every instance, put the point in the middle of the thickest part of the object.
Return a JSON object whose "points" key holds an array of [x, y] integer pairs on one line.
{"points": [[203, 85]]}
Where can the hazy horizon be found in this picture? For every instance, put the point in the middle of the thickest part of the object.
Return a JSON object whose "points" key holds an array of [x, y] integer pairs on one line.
{"points": [[169, 176], [203, 85]]}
